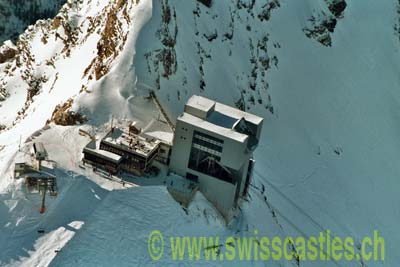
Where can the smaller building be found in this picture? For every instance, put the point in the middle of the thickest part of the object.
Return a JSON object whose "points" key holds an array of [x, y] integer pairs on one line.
{"points": [[21, 165], [165, 138], [38, 182], [25, 162], [134, 129], [102, 159], [138, 152], [31, 165]]}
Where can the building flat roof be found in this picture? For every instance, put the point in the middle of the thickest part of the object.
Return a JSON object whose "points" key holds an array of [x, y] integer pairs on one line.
{"points": [[200, 103], [220, 114], [237, 113], [219, 130], [92, 147], [131, 143], [222, 120], [166, 137], [22, 158]]}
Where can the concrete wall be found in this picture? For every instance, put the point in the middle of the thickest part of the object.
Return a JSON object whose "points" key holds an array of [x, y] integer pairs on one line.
{"points": [[233, 153], [220, 193], [197, 112], [181, 148]]}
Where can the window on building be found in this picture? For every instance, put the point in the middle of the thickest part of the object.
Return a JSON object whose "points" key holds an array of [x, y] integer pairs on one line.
{"points": [[208, 164], [205, 156]]}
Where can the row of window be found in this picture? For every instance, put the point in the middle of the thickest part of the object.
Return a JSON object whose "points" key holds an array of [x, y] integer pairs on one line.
{"points": [[208, 138], [207, 144], [99, 160], [111, 149], [208, 150]]}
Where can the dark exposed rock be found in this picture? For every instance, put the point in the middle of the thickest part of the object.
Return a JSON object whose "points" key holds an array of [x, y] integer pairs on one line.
{"points": [[325, 25], [62, 115], [207, 3], [211, 37], [337, 7], [166, 55], [228, 35], [7, 54], [321, 32], [267, 9], [241, 103], [35, 85], [330, 24]]}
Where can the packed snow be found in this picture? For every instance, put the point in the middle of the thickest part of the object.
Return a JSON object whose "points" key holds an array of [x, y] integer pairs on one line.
{"points": [[328, 157]]}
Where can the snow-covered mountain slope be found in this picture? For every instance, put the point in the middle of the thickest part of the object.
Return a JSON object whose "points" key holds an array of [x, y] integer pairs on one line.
{"points": [[329, 157], [16, 15]]}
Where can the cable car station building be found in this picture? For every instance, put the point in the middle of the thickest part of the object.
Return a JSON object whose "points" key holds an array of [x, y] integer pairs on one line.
{"points": [[213, 146]]}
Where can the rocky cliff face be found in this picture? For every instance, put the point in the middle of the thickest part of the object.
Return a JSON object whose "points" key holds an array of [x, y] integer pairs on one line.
{"points": [[87, 36], [188, 43], [323, 74]]}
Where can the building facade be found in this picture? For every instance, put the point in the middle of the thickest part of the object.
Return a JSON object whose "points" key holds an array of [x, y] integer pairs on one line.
{"points": [[102, 159], [138, 153], [213, 146]]}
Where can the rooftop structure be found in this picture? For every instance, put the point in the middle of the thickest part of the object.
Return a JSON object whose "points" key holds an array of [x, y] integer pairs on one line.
{"points": [[130, 143], [205, 107], [23, 164], [160, 130], [223, 120], [213, 145], [39, 151], [137, 151]]}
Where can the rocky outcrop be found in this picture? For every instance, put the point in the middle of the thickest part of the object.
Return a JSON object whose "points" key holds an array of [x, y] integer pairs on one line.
{"points": [[32, 66], [207, 3], [7, 51], [63, 115], [267, 9], [210, 39], [337, 7], [321, 29], [323, 24], [112, 41], [164, 60], [397, 24]]}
